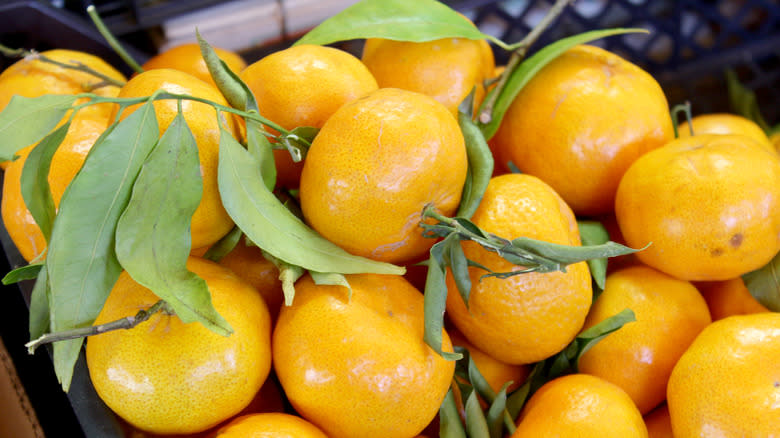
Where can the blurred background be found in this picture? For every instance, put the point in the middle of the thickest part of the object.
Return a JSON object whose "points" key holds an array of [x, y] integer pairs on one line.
{"points": [[690, 46]]}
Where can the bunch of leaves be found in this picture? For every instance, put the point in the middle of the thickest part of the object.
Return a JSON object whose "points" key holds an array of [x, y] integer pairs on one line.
{"points": [[503, 408], [130, 207]]}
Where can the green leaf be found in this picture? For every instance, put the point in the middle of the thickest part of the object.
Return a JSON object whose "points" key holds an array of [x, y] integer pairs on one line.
{"points": [[39, 306], [476, 424], [459, 266], [26, 120], [480, 169], [153, 237], [520, 76], [35, 180], [229, 84], [594, 233], [591, 336], [331, 279], [516, 400], [81, 263], [402, 20], [435, 300], [288, 275], [568, 254], [26, 272], [497, 415], [764, 284], [744, 101], [272, 227], [226, 244], [450, 425], [298, 141]]}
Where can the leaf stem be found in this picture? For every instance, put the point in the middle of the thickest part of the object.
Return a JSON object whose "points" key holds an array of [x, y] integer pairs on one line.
{"points": [[127, 322], [111, 40], [73, 65], [519, 50]]}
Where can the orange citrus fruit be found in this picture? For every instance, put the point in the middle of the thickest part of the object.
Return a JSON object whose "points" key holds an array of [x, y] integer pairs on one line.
{"points": [[358, 366], [639, 356], [84, 130], [446, 69], [32, 77], [580, 405], [728, 381], [724, 123], [373, 167], [658, 422], [495, 372], [510, 319], [269, 425], [248, 263], [580, 122], [188, 58], [166, 377], [302, 86], [729, 297], [709, 205], [210, 221]]}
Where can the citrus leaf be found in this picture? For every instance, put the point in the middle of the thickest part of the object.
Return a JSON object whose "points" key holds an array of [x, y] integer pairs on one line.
{"points": [[298, 141], [331, 279], [26, 120], [35, 180], [497, 416], [591, 336], [459, 266], [402, 20], [234, 89], [260, 148], [476, 424], [764, 284], [744, 102], [450, 425], [226, 244], [480, 166], [529, 67], [153, 237], [568, 254], [435, 300], [81, 263], [594, 233], [535, 379], [39, 306], [26, 272], [272, 227]]}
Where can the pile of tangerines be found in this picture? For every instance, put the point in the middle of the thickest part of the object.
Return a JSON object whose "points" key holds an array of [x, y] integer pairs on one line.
{"points": [[589, 138]]}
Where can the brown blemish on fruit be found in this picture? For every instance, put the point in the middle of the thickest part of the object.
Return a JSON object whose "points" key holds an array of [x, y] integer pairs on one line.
{"points": [[736, 240], [717, 252]]}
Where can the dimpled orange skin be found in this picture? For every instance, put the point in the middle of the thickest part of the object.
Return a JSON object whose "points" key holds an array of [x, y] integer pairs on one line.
{"points": [[188, 58], [303, 86], [373, 167], [210, 221], [729, 297], [270, 425], [724, 123], [709, 204], [528, 317], [167, 377], [86, 127], [580, 122], [358, 367], [728, 381], [640, 356], [445, 69], [580, 405]]}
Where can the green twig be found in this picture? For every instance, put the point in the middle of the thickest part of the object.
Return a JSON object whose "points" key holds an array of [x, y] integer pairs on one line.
{"points": [[72, 65], [519, 50], [124, 323], [111, 40]]}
